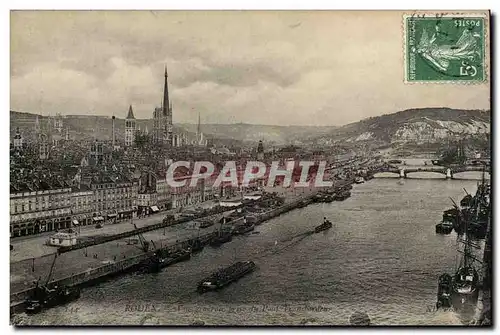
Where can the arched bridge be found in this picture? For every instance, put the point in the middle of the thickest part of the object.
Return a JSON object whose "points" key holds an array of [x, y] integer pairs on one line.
{"points": [[449, 172]]}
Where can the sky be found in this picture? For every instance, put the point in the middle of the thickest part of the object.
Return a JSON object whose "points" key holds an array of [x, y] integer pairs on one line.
{"points": [[282, 68]]}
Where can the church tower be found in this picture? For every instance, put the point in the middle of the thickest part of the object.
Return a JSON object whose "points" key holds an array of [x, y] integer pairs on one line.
{"points": [[167, 113], [130, 128], [162, 118], [18, 140], [43, 147], [58, 123]]}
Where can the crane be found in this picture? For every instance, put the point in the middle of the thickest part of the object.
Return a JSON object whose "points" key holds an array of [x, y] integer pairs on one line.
{"points": [[142, 240], [51, 270]]}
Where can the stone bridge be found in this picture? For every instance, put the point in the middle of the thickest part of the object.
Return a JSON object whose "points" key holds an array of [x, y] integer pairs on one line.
{"points": [[449, 172]]}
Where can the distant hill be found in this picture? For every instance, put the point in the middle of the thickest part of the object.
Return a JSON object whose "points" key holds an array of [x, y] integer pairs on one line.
{"points": [[278, 135], [415, 126], [84, 126]]}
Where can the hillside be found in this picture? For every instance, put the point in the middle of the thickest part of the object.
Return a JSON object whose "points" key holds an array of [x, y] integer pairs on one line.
{"points": [[279, 135], [415, 126], [412, 127]]}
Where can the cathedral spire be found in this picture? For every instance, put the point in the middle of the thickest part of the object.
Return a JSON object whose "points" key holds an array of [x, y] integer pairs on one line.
{"points": [[166, 102], [130, 114]]}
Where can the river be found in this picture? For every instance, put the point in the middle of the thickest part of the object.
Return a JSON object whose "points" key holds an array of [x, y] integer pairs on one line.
{"points": [[382, 257]]}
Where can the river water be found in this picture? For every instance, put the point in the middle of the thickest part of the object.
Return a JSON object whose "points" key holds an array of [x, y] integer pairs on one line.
{"points": [[382, 257]]}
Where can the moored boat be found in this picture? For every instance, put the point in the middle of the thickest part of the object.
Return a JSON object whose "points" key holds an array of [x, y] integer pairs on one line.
{"points": [[221, 238], [444, 291], [466, 201], [206, 223], [359, 180], [43, 298], [243, 229], [342, 195], [465, 286], [222, 235], [158, 260], [444, 227], [197, 246]]}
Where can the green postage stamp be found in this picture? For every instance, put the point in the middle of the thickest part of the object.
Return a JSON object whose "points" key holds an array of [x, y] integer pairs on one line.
{"points": [[446, 47]]}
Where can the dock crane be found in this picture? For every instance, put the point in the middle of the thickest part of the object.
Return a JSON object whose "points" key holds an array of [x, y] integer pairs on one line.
{"points": [[144, 243], [51, 270]]}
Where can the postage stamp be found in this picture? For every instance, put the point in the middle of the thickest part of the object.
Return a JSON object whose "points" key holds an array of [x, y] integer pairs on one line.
{"points": [[445, 47]]}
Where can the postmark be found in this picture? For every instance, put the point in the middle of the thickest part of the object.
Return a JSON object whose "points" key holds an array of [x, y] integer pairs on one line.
{"points": [[445, 47]]}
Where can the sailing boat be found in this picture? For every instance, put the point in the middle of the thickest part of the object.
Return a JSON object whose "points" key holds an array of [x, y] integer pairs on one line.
{"points": [[44, 296], [465, 282], [466, 278]]}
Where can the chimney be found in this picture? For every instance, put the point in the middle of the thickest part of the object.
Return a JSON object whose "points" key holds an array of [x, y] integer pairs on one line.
{"points": [[113, 130]]}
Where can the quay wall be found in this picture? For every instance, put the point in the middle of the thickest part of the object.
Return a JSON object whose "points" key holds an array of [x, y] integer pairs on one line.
{"points": [[98, 274]]}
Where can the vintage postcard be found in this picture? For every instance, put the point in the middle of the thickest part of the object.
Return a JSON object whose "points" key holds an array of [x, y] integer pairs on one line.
{"points": [[250, 168]]}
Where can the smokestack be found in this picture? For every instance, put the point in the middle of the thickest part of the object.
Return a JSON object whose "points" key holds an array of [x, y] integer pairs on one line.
{"points": [[113, 130]]}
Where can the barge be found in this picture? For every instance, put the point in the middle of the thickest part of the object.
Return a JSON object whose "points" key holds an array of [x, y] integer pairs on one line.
{"points": [[224, 277]]}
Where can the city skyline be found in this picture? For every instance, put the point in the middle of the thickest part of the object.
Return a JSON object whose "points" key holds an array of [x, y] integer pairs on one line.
{"points": [[279, 68]]}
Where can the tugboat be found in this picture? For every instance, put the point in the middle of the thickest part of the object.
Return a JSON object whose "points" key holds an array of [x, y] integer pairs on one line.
{"points": [[224, 277], [444, 291], [324, 226], [44, 297], [444, 227]]}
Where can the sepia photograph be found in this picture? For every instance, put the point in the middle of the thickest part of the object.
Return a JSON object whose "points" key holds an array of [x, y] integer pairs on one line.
{"points": [[250, 168]]}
